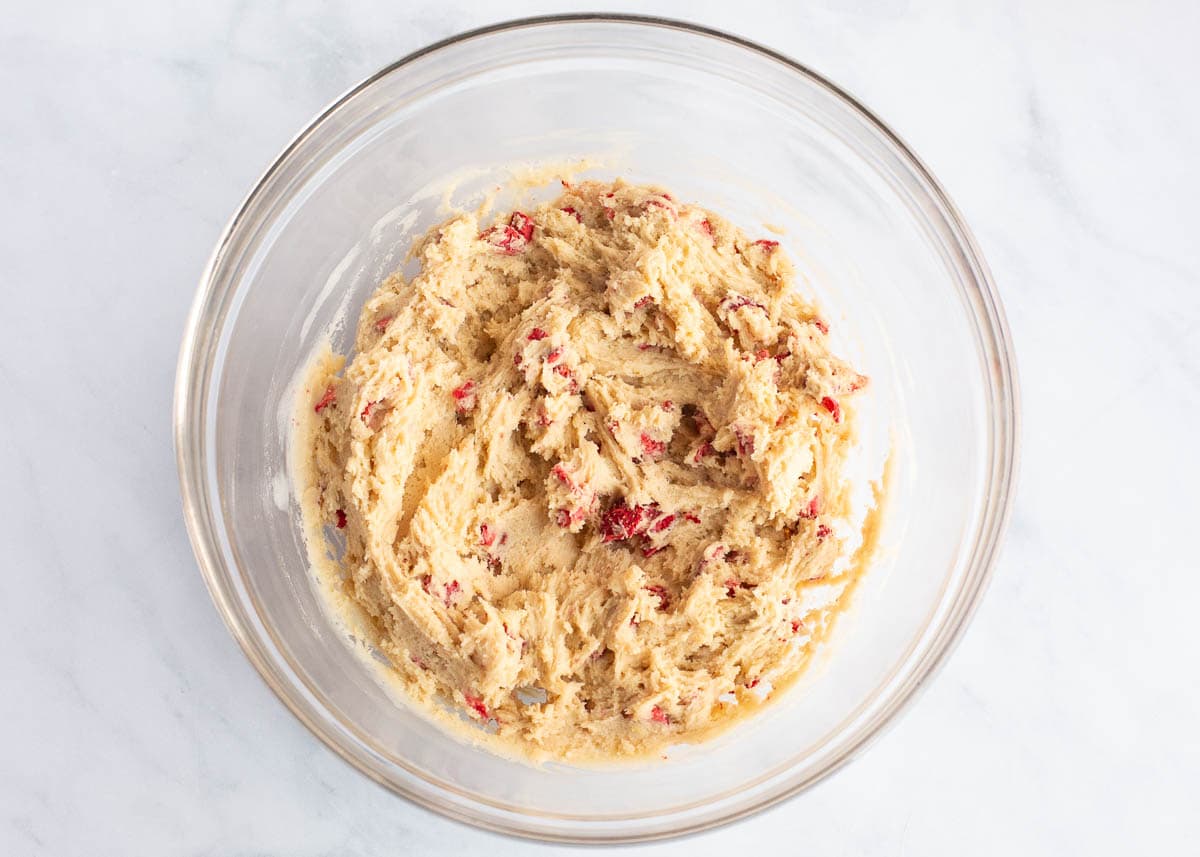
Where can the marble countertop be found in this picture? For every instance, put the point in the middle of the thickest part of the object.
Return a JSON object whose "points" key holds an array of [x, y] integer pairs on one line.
{"points": [[1064, 723]]}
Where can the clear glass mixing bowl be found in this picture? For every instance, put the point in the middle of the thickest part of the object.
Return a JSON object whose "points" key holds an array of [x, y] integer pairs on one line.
{"points": [[718, 121]]}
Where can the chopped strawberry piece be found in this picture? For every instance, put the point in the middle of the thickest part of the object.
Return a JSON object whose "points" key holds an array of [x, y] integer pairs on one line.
{"points": [[554, 356], [812, 509], [753, 683], [622, 522], [766, 243], [664, 597], [487, 536], [367, 411], [464, 396], [536, 334], [341, 519], [503, 539], [644, 301], [821, 326], [823, 531], [382, 323], [563, 518], [691, 516], [761, 354], [735, 302], [707, 229], [703, 451], [563, 476], [745, 441], [326, 399], [644, 346], [610, 213], [451, 588], [523, 223], [833, 407], [731, 587], [782, 355], [426, 580], [543, 418], [858, 383], [662, 523], [652, 447], [476, 705], [796, 626], [658, 715], [650, 550], [513, 238], [668, 405], [571, 211]]}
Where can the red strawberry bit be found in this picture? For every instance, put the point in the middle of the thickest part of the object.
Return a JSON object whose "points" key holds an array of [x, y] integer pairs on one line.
{"points": [[858, 383], [326, 399], [418, 662], [644, 346], [503, 539], [487, 536], [658, 203], [571, 211], [833, 407], [563, 518], [703, 451], [523, 223], [644, 301], [610, 213], [426, 580], [554, 356], [536, 334], [812, 509], [451, 588], [821, 325], [518, 358], [706, 227], [668, 405], [753, 683], [662, 523], [543, 418], [659, 716], [368, 411], [766, 243], [464, 397], [731, 587], [691, 516], [381, 324], [782, 355], [564, 477], [652, 447], [735, 302], [565, 372], [664, 597], [341, 519], [823, 531], [796, 626], [476, 705], [745, 441], [650, 550], [761, 354], [622, 522], [513, 238]]}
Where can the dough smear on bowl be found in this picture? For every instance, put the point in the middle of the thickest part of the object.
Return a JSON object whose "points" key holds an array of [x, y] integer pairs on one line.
{"points": [[588, 466]]}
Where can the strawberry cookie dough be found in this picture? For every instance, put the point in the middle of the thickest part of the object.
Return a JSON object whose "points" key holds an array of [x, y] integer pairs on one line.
{"points": [[587, 466]]}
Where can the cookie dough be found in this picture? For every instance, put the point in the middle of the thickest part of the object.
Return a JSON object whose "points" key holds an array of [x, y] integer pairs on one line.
{"points": [[587, 466]]}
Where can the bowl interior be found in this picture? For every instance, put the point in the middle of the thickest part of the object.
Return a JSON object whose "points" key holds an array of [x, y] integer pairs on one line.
{"points": [[719, 124]]}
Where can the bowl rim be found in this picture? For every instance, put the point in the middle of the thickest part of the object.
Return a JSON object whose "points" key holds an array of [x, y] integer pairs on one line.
{"points": [[189, 416]]}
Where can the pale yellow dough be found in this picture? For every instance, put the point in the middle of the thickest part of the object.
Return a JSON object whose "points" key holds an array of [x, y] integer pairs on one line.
{"points": [[588, 467]]}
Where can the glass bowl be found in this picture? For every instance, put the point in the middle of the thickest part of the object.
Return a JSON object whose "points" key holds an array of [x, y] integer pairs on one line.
{"points": [[720, 122]]}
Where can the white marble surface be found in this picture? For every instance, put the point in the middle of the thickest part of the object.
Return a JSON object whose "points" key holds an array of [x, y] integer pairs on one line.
{"points": [[1066, 721]]}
